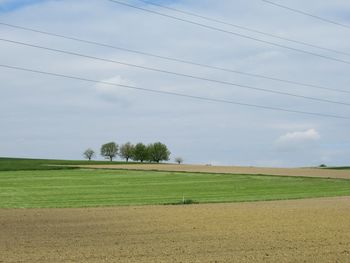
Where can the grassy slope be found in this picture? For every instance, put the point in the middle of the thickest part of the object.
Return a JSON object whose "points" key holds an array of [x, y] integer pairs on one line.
{"points": [[17, 164], [83, 188]]}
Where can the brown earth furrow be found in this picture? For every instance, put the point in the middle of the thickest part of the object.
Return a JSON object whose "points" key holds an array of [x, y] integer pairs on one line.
{"points": [[313, 230]]}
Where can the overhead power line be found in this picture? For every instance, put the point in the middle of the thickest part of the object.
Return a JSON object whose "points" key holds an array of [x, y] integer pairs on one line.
{"points": [[172, 59], [306, 14], [176, 73], [174, 93], [232, 33], [244, 27]]}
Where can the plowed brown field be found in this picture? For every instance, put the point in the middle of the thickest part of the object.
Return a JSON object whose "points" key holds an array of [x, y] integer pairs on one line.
{"points": [[310, 172], [313, 230]]}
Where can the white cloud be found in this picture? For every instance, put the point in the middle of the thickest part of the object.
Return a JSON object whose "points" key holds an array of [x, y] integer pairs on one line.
{"points": [[113, 93], [297, 140], [296, 137]]}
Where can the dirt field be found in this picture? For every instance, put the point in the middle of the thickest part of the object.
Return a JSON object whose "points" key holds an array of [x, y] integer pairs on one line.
{"points": [[311, 172], [313, 230]]}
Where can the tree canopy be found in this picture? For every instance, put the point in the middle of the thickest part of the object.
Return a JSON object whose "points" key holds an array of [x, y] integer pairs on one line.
{"points": [[109, 150], [154, 152], [158, 152], [140, 152], [126, 151]]}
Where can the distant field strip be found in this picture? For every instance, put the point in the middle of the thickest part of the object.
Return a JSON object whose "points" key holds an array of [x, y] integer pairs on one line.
{"points": [[18, 164], [96, 188], [340, 172]]}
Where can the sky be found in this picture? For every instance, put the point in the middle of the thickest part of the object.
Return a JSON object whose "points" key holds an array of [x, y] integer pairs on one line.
{"points": [[51, 117]]}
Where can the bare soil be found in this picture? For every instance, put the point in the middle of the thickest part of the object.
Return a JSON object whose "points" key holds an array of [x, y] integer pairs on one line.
{"points": [[313, 230], [309, 172]]}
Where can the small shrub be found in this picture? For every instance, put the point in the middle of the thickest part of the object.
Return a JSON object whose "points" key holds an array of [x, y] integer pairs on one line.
{"points": [[183, 202], [187, 202]]}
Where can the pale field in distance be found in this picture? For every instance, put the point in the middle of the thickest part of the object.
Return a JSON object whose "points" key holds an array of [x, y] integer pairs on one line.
{"points": [[309, 172]]}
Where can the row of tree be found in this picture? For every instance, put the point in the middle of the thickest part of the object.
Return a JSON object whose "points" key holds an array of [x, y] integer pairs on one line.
{"points": [[154, 152]]}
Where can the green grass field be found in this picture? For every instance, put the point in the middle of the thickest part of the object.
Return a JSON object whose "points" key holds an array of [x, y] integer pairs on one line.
{"points": [[94, 188], [19, 164]]}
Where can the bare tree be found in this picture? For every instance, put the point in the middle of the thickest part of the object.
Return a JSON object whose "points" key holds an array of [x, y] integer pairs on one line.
{"points": [[89, 154], [179, 160]]}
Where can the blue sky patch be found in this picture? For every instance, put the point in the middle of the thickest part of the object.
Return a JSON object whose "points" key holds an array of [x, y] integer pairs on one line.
{"points": [[11, 5]]}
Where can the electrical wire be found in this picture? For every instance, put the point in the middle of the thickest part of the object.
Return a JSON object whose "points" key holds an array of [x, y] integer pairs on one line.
{"points": [[243, 27], [174, 93], [172, 59], [306, 14], [233, 33], [176, 73]]}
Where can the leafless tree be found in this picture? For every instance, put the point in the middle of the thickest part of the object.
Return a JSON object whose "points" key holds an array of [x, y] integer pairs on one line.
{"points": [[179, 160], [89, 154]]}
